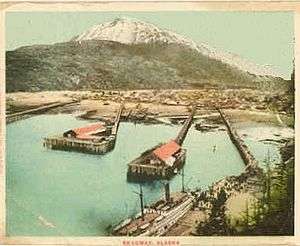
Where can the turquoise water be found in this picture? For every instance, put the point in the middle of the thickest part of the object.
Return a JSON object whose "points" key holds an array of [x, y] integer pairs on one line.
{"points": [[57, 193]]}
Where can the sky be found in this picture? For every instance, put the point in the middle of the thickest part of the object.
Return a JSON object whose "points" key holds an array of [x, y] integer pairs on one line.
{"points": [[265, 38]]}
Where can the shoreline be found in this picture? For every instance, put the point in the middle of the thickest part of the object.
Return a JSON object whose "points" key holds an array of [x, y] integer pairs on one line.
{"points": [[241, 105]]}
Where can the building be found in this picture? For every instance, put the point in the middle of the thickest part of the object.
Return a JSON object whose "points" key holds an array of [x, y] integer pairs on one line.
{"points": [[167, 153], [91, 132], [94, 139], [162, 161]]}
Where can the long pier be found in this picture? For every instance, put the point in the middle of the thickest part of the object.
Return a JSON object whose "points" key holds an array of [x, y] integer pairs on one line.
{"points": [[239, 143], [184, 130], [30, 112], [117, 120]]}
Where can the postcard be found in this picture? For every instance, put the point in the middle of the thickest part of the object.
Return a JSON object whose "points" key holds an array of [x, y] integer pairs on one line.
{"points": [[149, 123]]}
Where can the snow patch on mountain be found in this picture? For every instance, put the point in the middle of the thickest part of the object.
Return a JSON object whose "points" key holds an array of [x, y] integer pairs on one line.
{"points": [[133, 31]]}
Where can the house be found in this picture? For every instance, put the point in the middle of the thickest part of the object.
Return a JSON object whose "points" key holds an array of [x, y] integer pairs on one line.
{"points": [[89, 132]]}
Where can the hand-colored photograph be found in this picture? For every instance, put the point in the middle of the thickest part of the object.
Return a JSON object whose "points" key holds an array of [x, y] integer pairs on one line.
{"points": [[162, 123]]}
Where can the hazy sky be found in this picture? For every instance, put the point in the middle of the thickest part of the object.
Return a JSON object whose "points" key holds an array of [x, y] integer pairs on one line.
{"points": [[261, 37]]}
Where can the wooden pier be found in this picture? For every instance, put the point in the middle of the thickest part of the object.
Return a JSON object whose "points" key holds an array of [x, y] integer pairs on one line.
{"points": [[100, 140], [137, 171], [184, 130], [31, 112], [62, 143], [239, 143], [161, 161], [117, 120]]}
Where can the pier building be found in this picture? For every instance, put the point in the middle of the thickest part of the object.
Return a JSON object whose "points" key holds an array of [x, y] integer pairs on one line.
{"points": [[163, 160], [94, 139]]}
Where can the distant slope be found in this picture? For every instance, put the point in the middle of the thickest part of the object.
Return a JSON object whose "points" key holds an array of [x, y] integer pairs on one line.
{"points": [[126, 30], [95, 64]]}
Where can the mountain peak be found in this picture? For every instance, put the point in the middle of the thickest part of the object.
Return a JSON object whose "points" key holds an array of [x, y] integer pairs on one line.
{"points": [[129, 30]]}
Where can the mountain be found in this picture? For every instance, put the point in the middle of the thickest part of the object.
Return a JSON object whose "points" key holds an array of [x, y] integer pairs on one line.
{"points": [[131, 31], [130, 54]]}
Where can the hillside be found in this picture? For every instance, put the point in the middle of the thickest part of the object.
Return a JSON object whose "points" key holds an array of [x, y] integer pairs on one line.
{"points": [[126, 30], [98, 64]]}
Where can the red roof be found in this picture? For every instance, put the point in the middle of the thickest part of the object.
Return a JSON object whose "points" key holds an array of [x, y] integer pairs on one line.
{"points": [[167, 150], [89, 129], [85, 137]]}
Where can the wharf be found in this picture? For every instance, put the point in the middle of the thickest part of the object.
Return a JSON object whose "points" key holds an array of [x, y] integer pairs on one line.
{"points": [[239, 143], [90, 147], [137, 171], [92, 139], [162, 161]]}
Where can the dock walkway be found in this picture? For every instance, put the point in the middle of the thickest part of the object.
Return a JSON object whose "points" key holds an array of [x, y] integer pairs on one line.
{"points": [[30, 112], [184, 130], [239, 143], [117, 120]]}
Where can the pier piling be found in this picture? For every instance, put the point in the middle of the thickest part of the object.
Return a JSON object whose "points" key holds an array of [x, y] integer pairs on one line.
{"points": [[239, 143], [184, 130]]}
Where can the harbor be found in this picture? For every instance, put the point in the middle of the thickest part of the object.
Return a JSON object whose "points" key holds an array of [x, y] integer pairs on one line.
{"points": [[209, 154], [83, 173], [157, 218], [159, 214]]}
